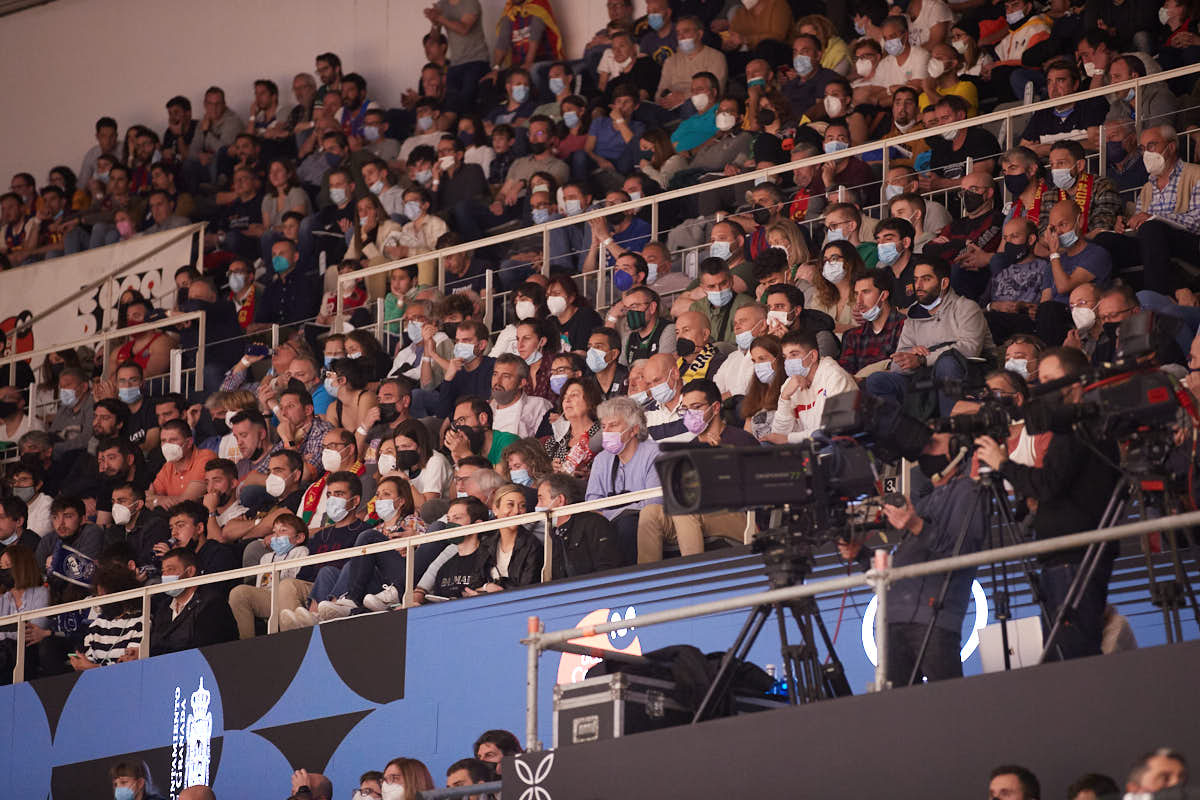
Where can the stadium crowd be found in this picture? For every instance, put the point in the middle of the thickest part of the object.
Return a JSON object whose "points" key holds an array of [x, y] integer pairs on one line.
{"points": [[805, 287]]}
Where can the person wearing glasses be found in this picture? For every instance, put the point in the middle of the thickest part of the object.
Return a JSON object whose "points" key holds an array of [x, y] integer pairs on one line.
{"points": [[1119, 304]]}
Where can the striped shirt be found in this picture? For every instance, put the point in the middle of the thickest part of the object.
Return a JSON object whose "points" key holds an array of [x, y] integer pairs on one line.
{"points": [[1163, 202], [108, 638]]}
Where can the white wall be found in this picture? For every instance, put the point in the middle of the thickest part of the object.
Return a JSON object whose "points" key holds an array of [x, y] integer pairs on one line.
{"points": [[71, 61]]}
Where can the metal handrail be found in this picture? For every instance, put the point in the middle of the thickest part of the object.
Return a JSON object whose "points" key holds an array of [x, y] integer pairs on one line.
{"points": [[409, 544], [878, 577], [653, 201]]}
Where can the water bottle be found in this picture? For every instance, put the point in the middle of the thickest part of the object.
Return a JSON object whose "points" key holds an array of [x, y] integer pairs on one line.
{"points": [[779, 687]]}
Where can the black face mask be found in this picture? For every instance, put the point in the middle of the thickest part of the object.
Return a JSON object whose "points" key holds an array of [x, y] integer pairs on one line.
{"points": [[766, 117], [684, 347], [1110, 329], [407, 459], [182, 295], [761, 215], [8, 408], [538, 148], [1016, 183], [971, 201], [615, 219], [931, 465], [1014, 252], [450, 328], [475, 435], [6, 580], [388, 413]]}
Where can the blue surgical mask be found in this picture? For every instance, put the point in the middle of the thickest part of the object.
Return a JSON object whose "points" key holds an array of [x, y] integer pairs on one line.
{"points": [[11, 539], [423, 176], [764, 371], [834, 145], [570, 119], [802, 63], [1019, 366], [744, 339], [1013, 17], [174, 591], [597, 360], [795, 366], [521, 477], [720, 299], [1068, 239], [540, 215], [385, 508], [891, 190], [534, 357], [129, 394], [622, 280], [872, 313], [651, 272], [464, 351], [336, 509], [520, 92], [889, 253], [331, 387], [834, 235], [687, 45], [337, 194], [122, 793], [859, 29], [329, 361], [932, 305], [376, 188], [557, 382], [894, 47], [662, 393], [237, 281], [557, 85], [412, 209], [68, 397], [280, 264], [655, 21], [641, 398], [720, 250], [413, 329], [424, 123], [572, 206], [281, 545]]}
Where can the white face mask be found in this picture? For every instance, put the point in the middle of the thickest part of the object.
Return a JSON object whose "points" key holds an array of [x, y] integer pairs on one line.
{"points": [[700, 102], [833, 106], [525, 309], [275, 485], [725, 121], [556, 303], [331, 460], [386, 463], [172, 452], [1083, 317], [863, 67], [121, 514], [446, 162], [393, 791]]}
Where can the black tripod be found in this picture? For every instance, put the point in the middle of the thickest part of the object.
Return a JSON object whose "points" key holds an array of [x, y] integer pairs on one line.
{"points": [[1000, 530], [788, 562], [1168, 595]]}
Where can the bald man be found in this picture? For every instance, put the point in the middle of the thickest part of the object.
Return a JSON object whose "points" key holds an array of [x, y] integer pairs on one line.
{"points": [[733, 377], [698, 354], [970, 239], [665, 386], [1073, 259]]}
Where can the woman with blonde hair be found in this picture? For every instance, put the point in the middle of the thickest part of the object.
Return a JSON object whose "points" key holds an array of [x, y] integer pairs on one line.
{"points": [[835, 53], [510, 557], [787, 236]]}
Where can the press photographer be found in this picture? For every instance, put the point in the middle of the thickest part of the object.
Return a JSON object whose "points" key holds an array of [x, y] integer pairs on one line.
{"points": [[946, 519], [1070, 488]]}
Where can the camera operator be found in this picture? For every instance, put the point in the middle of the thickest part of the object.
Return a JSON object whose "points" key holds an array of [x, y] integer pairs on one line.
{"points": [[930, 531], [1070, 489]]}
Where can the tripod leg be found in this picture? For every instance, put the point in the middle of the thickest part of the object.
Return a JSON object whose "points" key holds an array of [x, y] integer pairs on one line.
{"points": [[789, 670], [734, 656]]}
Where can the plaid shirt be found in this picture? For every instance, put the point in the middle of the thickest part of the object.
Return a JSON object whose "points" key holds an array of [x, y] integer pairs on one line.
{"points": [[314, 443], [1105, 204], [1162, 203], [863, 346]]}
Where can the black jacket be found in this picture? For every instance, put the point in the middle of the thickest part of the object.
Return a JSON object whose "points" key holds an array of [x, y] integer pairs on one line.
{"points": [[586, 543], [524, 569], [205, 620], [1072, 488], [149, 531]]}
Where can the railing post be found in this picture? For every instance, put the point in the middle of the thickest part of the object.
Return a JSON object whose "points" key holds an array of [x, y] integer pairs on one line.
{"points": [[531, 686], [883, 182], [654, 221], [410, 575], [489, 296], [177, 371], [273, 619], [144, 646], [1137, 117], [201, 330], [442, 274], [545, 250], [275, 328], [601, 283], [548, 549], [338, 318], [380, 322], [1103, 155], [19, 666], [878, 578]]}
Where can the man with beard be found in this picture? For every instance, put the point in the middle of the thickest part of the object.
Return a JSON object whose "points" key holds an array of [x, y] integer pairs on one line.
{"points": [[943, 329]]}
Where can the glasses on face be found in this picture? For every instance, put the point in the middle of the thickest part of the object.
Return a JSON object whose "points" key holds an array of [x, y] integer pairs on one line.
{"points": [[696, 407], [1115, 316]]}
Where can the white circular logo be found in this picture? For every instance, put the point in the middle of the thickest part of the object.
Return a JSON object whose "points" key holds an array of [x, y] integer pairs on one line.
{"points": [[981, 618]]}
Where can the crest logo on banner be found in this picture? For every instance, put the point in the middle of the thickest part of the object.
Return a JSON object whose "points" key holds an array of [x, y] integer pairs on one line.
{"points": [[191, 740], [533, 777]]}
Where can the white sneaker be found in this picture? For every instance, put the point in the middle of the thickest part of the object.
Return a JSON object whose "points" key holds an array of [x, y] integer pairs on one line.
{"points": [[304, 617], [390, 596], [335, 609], [287, 620]]}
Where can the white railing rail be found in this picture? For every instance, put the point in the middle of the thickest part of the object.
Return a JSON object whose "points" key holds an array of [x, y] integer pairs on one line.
{"points": [[409, 544]]}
